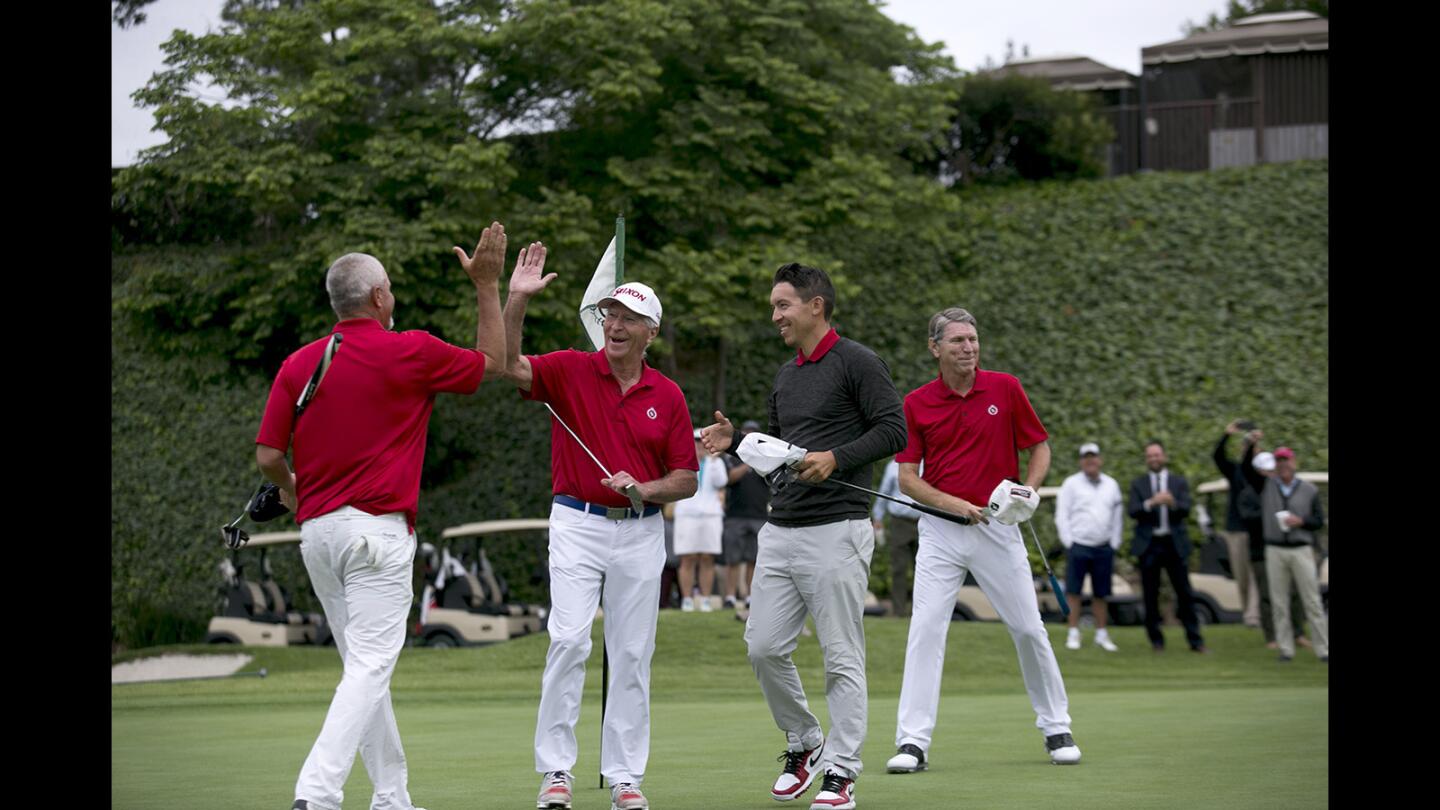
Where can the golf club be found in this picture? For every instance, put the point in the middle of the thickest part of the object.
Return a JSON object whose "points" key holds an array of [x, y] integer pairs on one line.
{"points": [[631, 491], [1054, 583], [919, 507]]}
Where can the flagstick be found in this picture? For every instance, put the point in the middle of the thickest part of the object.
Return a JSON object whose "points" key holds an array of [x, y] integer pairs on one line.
{"points": [[605, 648]]}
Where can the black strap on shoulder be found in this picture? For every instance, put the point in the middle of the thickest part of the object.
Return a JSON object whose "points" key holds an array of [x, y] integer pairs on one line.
{"points": [[305, 396]]}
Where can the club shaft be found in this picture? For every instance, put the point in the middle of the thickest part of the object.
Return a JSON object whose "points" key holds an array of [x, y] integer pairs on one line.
{"points": [[577, 440], [919, 507]]}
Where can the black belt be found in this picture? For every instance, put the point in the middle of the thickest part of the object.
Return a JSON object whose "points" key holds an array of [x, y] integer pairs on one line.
{"points": [[1288, 543], [610, 512]]}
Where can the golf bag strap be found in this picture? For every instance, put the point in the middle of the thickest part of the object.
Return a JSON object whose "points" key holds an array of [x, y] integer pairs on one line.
{"points": [[305, 396]]}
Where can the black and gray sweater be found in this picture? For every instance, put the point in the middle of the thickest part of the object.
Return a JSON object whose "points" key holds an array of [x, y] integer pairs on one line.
{"points": [[845, 403]]}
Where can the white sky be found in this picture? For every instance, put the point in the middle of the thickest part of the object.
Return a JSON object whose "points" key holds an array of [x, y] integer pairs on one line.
{"points": [[1110, 31]]}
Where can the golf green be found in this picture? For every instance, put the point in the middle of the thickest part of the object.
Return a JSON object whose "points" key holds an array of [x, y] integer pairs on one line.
{"points": [[1230, 729]]}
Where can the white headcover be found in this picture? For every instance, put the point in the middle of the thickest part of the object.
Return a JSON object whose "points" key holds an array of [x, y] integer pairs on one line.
{"points": [[1012, 503], [766, 454]]}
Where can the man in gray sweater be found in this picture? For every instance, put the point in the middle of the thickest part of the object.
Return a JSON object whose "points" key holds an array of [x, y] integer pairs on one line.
{"points": [[836, 400], [1290, 515]]}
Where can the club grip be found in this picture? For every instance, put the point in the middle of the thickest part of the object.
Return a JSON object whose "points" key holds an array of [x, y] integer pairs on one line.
{"points": [[941, 513], [1060, 596]]}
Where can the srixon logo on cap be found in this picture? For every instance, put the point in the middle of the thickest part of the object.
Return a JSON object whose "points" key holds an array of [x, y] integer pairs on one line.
{"points": [[631, 292]]}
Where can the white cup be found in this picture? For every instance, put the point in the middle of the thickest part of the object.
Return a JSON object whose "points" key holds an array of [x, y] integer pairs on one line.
{"points": [[1280, 517]]}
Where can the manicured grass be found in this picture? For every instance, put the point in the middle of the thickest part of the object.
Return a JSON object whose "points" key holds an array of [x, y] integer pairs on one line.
{"points": [[1231, 729]]}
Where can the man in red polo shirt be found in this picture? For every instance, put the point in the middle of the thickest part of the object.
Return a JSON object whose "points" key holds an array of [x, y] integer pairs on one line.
{"points": [[635, 420], [967, 426], [358, 454]]}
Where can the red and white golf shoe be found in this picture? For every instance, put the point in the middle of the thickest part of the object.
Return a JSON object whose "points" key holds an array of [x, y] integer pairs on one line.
{"points": [[837, 792], [799, 771]]}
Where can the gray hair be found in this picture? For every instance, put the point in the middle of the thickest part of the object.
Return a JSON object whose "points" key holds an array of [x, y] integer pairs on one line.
{"points": [[350, 280], [945, 317]]}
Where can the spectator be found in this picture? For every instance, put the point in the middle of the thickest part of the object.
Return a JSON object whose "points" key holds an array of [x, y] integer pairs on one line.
{"points": [[1089, 513], [1159, 503], [1290, 516], [747, 504], [900, 536], [699, 521]]}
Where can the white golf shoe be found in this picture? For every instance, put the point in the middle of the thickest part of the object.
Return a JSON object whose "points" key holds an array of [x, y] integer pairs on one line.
{"points": [[1062, 748], [1072, 639], [705, 605], [1102, 638], [687, 605], [909, 759], [627, 796], [554, 791]]}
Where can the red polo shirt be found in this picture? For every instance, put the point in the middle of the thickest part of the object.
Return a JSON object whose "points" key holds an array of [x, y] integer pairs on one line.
{"points": [[361, 441], [646, 432], [969, 442]]}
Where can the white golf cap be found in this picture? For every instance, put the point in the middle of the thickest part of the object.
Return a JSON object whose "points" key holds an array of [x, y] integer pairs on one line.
{"points": [[1264, 462], [1088, 448], [636, 297]]}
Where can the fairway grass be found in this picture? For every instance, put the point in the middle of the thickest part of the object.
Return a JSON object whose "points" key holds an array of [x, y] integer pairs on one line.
{"points": [[1228, 730]]}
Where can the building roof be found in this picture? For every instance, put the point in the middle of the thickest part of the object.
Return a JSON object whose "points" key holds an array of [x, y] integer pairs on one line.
{"points": [[1285, 32], [1070, 72]]}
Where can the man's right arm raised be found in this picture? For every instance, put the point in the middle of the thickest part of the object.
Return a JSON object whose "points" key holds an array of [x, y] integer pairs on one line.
{"points": [[528, 279]]}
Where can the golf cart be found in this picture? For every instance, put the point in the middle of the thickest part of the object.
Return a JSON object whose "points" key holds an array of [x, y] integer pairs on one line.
{"points": [[259, 612], [465, 603]]}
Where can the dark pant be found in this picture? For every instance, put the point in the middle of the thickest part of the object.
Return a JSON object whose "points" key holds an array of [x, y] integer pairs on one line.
{"points": [[1161, 555], [900, 536]]}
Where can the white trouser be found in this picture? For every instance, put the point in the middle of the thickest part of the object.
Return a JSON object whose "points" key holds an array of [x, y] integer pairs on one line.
{"points": [[823, 570], [995, 554], [630, 556], [1288, 567], [361, 567]]}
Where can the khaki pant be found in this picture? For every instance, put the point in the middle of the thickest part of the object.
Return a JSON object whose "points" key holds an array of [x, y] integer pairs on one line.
{"points": [[1295, 564], [824, 571], [1238, 544]]}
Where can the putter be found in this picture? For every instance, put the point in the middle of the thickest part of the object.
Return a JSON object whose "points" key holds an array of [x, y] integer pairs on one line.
{"points": [[632, 492], [1054, 583]]}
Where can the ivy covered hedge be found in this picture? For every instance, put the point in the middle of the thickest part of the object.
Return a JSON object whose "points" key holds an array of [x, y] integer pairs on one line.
{"points": [[1161, 305]]}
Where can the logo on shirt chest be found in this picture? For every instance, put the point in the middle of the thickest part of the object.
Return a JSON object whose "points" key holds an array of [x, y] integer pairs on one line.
{"points": [[992, 410], [651, 413]]}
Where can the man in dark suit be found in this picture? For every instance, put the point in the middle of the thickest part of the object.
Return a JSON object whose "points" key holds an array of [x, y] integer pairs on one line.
{"points": [[1159, 502]]}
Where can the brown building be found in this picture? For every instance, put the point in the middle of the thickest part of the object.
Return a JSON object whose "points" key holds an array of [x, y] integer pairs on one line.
{"points": [[1257, 91]]}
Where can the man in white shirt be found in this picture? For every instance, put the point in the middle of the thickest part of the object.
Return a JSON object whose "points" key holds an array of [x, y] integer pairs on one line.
{"points": [[699, 525], [1088, 514]]}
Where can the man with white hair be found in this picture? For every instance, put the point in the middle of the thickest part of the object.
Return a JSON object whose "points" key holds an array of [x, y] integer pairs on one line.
{"points": [[968, 426], [1089, 514], [355, 489], [636, 422]]}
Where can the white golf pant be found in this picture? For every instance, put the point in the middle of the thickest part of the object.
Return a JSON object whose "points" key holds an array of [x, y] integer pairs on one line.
{"points": [[1289, 567], [630, 556], [361, 567], [995, 554], [823, 570]]}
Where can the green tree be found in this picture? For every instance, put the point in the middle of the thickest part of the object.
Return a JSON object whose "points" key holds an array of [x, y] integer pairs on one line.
{"points": [[733, 135], [1236, 9], [127, 13], [1011, 128]]}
